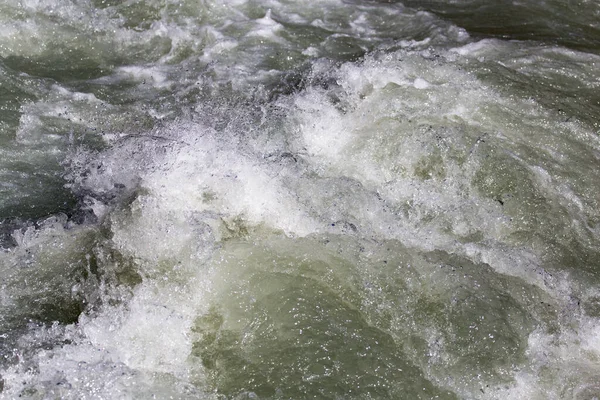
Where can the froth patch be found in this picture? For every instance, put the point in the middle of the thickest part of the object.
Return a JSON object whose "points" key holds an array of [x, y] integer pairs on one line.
{"points": [[186, 172], [266, 27], [421, 83]]}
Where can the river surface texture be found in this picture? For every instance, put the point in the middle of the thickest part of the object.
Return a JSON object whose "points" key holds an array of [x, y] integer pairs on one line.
{"points": [[299, 199]]}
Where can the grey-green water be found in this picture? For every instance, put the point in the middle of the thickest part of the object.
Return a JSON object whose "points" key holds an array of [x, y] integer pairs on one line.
{"points": [[293, 200]]}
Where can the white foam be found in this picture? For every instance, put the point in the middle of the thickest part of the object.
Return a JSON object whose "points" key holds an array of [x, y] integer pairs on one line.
{"points": [[474, 48], [561, 365], [421, 83]]}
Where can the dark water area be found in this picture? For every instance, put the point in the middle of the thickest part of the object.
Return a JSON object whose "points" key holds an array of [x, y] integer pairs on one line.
{"points": [[573, 24]]}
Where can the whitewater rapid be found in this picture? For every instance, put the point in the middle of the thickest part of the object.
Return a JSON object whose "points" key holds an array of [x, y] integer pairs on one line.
{"points": [[280, 200]]}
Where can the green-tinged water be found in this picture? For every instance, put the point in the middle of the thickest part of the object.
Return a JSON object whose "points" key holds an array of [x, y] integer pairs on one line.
{"points": [[294, 200]]}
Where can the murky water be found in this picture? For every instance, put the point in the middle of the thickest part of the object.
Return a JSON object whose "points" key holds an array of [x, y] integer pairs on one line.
{"points": [[292, 200]]}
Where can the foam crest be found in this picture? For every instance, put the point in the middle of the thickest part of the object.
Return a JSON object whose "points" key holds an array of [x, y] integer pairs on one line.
{"points": [[405, 149]]}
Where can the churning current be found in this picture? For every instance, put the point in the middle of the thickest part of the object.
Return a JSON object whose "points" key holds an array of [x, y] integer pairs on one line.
{"points": [[294, 199]]}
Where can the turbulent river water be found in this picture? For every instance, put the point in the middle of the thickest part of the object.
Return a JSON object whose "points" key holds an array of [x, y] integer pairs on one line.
{"points": [[294, 199]]}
